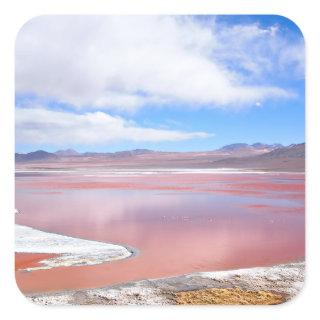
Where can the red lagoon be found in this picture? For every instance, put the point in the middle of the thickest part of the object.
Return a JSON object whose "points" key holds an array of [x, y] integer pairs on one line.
{"points": [[178, 222]]}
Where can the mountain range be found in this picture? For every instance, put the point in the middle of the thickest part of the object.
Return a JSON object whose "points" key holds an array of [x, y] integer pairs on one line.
{"points": [[238, 155]]}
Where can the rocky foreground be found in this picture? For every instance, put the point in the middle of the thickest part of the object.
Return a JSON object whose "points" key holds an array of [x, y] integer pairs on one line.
{"points": [[265, 285]]}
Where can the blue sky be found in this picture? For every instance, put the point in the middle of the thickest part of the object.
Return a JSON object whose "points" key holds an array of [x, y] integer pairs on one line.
{"points": [[164, 83]]}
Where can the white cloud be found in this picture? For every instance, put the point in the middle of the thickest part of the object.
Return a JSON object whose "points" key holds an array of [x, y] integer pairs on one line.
{"points": [[260, 52], [132, 61], [40, 126]]}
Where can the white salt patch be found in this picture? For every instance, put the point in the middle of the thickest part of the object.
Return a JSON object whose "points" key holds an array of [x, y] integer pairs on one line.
{"points": [[287, 278], [133, 295], [72, 251], [274, 273], [141, 172]]}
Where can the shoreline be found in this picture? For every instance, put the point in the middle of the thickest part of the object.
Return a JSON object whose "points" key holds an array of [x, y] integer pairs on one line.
{"points": [[68, 251], [282, 281], [153, 171]]}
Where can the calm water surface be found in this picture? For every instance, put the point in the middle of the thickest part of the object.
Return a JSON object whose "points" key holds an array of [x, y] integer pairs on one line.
{"points": [[179, 223]]}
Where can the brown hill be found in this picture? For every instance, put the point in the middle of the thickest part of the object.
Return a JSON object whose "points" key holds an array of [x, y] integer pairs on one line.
{"points": [[257, 156], [39, 155], [291, 158]]}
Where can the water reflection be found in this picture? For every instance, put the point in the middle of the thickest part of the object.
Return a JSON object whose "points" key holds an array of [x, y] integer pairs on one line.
{"points": [[176, 232]]}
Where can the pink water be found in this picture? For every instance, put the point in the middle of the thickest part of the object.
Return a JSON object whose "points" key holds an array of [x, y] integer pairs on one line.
{"points": [[179, 223]]}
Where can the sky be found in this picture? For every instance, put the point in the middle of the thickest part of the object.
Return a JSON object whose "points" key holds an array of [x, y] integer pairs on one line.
{"points": [[170, 83]]}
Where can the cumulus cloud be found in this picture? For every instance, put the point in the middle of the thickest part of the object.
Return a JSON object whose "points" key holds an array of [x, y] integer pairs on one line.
{"points": [[40, 126], [127, 62]]}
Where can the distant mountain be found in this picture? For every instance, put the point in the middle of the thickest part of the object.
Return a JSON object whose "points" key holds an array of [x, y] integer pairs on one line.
{"points": [[135, 152], [245, 146], [290, 158], [273, 157], [235, 146], [67, 152], [259, 145], [94, 154], [119, 154], [39, 155], [292, 151]]}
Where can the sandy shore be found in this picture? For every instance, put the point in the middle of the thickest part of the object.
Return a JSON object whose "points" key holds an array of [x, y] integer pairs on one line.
{"points": [[265, 285]]}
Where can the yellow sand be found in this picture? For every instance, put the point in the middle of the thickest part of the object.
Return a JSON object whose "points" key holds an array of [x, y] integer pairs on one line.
{"points": [[227, 296]]}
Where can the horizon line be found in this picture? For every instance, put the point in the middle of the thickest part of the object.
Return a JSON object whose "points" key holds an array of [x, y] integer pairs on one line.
{"points": [[152, 150]]}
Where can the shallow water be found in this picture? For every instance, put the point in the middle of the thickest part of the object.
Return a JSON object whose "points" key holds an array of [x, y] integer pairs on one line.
{"points": [[179, 223]]}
